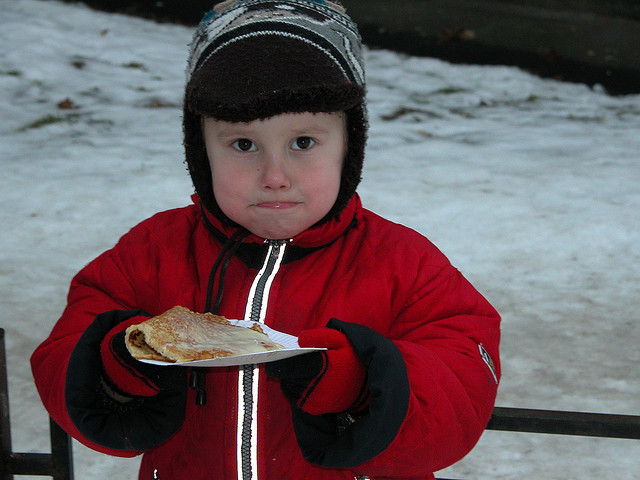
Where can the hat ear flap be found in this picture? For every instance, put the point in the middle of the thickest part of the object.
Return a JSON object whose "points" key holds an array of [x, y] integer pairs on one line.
{"points": [[351, 176], [197, 161]]}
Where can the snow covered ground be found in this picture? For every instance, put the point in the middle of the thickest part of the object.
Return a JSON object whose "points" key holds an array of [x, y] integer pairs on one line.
{"points": [[530, 186]]}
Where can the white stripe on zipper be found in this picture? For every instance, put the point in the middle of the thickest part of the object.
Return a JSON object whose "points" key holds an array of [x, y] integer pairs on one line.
{"points": [[248, 407], [270, 269]]}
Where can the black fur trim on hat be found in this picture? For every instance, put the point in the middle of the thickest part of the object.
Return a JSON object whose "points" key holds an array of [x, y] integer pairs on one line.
{"points": [[312, 99]]}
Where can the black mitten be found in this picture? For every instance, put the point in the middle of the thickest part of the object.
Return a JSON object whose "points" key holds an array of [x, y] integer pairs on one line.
{"points": [[116, 401]]}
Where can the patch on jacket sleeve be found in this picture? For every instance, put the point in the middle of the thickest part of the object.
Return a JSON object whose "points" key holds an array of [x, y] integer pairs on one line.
{"points": [[487, 359]]}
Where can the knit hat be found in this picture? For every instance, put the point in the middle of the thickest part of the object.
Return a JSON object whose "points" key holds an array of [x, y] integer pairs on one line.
{"points": [[254, 59]]}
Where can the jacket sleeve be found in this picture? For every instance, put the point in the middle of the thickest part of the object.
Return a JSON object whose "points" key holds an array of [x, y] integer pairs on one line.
{"points": [[433, 378], [451, 357], [105, 284]]}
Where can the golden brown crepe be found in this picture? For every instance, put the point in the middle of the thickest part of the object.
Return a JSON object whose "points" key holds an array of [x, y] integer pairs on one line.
{"points": [[180, 335]]}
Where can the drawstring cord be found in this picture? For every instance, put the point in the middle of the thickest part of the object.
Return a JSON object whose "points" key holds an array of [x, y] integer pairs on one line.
{"points": [[197, 378], [228, 251]]}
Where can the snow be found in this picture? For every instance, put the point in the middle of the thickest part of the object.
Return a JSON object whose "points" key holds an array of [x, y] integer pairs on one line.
{"points": [[530, 186]]}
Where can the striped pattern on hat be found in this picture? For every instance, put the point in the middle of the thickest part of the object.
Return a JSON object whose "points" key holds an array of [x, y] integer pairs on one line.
{"points": [[317, 23]]}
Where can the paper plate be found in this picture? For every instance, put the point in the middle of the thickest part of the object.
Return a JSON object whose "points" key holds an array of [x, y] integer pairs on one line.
{"points": [[289, 342]]}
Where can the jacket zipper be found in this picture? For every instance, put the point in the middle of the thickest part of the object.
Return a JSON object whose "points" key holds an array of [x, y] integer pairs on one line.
{"points": [[249, 375]]}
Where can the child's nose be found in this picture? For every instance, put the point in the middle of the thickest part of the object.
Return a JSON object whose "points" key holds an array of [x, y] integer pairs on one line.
{"points": [[275, 176]]}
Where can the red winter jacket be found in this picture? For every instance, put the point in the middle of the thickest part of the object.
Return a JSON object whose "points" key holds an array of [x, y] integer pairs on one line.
{"points": [[432, 391]]}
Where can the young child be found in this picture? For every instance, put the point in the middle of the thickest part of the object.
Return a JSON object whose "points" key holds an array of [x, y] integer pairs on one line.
{"points": [[274, 133]]}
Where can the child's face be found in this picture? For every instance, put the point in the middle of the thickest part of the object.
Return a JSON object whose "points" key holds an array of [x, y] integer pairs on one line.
{"points": [[279, 176]]}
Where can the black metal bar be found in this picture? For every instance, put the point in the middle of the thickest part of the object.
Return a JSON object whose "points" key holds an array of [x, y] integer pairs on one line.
{"points": [[565, 423], [62, 452], [46, 464], [5, 422], [30, 464], [57, 464]]}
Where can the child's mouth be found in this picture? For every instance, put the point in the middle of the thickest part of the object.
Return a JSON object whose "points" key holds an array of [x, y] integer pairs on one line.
{"points": [[277, 205]]}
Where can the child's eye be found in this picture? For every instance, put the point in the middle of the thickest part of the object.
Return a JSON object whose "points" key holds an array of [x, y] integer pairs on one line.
{"points": [[244, 145], [302, 143]]}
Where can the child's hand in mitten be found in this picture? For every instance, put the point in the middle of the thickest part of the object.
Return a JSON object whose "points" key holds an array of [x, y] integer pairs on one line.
{"points": [[328, 381], [130, 376], [116, 401]]}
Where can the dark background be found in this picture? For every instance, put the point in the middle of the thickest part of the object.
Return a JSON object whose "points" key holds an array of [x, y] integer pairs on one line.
{"points": [[590, 41]]}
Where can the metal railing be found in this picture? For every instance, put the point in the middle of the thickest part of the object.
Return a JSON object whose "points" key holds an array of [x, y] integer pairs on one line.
{"points": [[59, 463], [557, 422]]}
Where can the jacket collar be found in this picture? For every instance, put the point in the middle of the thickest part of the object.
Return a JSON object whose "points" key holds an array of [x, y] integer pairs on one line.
{"points": [[313, 237]]}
